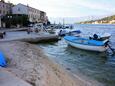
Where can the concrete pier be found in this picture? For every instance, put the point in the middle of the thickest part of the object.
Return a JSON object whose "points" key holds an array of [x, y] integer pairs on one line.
{"points": [[32, 37]]}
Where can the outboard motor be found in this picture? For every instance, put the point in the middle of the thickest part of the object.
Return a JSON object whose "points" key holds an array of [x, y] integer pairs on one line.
{"points": [[106, 43], [95, 37]]}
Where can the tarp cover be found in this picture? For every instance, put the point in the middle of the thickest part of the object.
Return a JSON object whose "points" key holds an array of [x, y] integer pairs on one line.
{"points": [[2, 60]]}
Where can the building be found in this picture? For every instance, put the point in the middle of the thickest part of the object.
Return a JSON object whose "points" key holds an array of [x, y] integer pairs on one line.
{"points": [[112, 22], [5, 8], [95, 22], [43, 16], [34, 15]]}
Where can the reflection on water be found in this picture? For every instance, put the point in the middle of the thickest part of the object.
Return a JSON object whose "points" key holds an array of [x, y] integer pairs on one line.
{"points": [[99, 66]]}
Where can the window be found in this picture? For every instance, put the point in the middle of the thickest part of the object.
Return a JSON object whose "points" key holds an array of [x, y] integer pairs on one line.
{"points": [[4, 12], [18, 9]]}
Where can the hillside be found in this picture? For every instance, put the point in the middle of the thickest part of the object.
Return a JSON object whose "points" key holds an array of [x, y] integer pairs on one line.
{"points": [[106, 20]]}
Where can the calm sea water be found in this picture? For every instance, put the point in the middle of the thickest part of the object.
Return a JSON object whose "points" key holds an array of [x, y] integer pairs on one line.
{"points": [[98, 66]]}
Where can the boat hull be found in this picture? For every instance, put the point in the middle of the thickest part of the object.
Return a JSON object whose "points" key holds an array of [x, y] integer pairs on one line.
{"points": [[88, 47]]}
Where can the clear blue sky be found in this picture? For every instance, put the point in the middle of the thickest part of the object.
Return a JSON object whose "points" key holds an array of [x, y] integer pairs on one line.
{"points": [[71, 8]]}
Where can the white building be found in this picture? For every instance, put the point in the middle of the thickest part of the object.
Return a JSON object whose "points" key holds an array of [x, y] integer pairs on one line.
{"points": [[33, 14], [112, 22], [95, 22]]}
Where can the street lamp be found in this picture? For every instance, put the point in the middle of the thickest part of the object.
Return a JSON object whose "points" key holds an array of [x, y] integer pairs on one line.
{"points": [[9, 18]]}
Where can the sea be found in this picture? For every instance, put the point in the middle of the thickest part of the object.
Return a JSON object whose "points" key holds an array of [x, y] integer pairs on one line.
{"points": [[94, 65]]}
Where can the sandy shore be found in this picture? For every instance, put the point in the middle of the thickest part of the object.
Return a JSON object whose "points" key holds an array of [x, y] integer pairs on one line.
{"points": [[28, 62]]}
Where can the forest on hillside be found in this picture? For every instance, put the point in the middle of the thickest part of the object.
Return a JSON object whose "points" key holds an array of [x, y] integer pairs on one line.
{"points": [[103, 20]]}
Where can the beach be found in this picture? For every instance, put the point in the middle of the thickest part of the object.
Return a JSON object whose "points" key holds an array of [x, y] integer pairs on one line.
{"points": [[28, 62], [48, 43]]}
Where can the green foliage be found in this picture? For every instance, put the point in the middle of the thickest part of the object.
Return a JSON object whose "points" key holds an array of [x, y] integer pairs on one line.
{"points": [[103, 20], [109, 18], [14, 19]]}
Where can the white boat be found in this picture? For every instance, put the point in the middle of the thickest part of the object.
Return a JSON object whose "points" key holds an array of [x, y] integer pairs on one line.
{"points": [[105, 36], [86, 44], [38, 27], [63, 32], [101, 37], [76, 33], [66, 26]]}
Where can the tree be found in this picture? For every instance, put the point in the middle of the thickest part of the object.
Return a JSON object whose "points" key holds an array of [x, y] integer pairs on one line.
{"points": [[14, 19]]}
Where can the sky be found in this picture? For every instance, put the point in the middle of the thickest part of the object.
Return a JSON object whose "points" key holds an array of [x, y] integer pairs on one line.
{"points": [[71, 8]]}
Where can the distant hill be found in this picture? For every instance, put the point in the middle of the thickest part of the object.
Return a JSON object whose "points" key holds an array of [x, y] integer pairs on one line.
{"points": [[105, 20], [72, 20]]}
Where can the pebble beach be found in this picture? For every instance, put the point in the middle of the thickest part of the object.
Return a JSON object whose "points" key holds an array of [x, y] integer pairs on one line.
{"points": [[28, 62]]}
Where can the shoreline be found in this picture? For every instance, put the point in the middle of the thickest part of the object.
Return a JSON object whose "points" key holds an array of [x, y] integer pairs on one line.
{"points": [[30, 64]]}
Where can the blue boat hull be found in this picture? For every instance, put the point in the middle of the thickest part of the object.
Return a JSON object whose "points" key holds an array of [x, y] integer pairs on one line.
{"points": [[86, 44]]}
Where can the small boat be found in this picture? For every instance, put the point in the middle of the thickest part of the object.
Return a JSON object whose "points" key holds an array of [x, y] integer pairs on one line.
{"points": [[63, 32], [105, 36], [67, 26], [101, 37], [75, 33], [87, 44]]}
